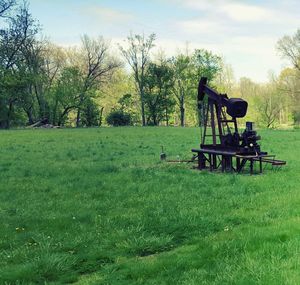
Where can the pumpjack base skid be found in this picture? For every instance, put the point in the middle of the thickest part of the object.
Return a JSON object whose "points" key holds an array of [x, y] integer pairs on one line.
{"points": [[232, 160]]}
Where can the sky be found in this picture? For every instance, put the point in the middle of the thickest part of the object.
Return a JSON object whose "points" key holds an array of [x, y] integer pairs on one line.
{"points": [[245, 32]]}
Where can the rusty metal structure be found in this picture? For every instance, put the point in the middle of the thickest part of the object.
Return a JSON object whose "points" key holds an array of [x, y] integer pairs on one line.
{"points": [[222, 146]]}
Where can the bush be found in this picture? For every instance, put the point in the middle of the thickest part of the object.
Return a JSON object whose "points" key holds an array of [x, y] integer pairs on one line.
{"points": [[118, 118]]}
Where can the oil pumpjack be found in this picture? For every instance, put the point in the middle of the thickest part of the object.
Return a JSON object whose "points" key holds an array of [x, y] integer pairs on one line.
{"points": [[222, 146]]}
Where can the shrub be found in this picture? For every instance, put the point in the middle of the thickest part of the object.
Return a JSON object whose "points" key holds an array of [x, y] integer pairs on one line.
{"points": [[118, 118]]}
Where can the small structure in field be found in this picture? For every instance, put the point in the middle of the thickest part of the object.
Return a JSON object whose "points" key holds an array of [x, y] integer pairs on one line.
{"points": [[222, 146]]}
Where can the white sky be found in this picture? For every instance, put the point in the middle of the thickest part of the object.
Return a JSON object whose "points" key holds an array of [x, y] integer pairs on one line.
{"points": [[245, 33]]}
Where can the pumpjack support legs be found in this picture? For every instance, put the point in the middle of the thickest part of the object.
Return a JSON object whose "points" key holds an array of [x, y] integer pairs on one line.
{"points": [[238, 163], [226, 163], [201, 161], [214, 162], [251, 166]]}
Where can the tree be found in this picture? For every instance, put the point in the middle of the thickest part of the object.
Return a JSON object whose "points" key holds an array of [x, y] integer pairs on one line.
{"points": [[158, 86], [52, 61], [137, 56], [112, 92], [289, 47], [268, 104], [13, 86], [97, 67], [188, 70], [182, 67], [127, 106], [289, 87], [15, 74], [67, 93], [125, 101], [91, 114], [224, 80], [248, 88], [206, 64], [5, 7]]}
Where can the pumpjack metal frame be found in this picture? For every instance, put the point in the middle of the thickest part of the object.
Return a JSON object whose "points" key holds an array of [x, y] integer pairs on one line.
{"points": [[228, 150]]}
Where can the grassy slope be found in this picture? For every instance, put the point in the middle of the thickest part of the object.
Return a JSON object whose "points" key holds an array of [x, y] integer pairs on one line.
{"points": [[95, 206]]}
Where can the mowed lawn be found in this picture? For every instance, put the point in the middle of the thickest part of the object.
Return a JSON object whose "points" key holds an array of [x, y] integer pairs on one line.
{"points": [[96, 206]]}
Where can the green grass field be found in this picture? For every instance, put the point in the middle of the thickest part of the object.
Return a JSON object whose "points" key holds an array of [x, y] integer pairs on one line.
{"points": [[96, 206]]}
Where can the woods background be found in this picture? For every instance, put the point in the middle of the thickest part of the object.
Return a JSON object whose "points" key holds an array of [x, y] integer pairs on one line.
{"points": [[98, 83]]}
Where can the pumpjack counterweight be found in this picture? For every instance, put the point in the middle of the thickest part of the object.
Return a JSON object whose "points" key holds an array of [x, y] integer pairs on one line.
{"points": [[222, 146]]}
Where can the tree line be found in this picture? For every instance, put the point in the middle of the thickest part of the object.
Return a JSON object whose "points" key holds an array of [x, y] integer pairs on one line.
{"points": [[97, 83]]}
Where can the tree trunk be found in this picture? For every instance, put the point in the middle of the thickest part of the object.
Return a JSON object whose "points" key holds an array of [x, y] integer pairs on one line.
{"points": [[167, 117], [154, 120], [182, 113], [143, 109], [63, 114], [41, 102], [54, 113], [101, 116], [78, 118], [30, 116], [181, 106], [9, 112]]}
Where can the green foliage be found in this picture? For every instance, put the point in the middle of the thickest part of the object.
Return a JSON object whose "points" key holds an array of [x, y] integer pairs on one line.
{"points": [[127, 105], [98, 65], [269, 105], [183, 83], [66, 94], [118, 118], [187, 72], [289, 82], [137, 55], [90, 114], [126, 102], [13, 86], [96, 206], [47, 83], [41, 82], [159, 102], [289, 47], [16, 38], [206, 64]]}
